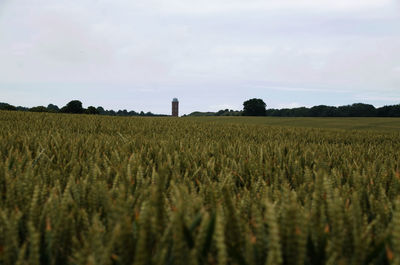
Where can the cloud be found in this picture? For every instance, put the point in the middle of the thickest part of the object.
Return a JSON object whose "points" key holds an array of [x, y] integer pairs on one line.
{"points": [[289, 105], [229, 6], [223, 107], [303, 89], [234, 49], [378, 98]]}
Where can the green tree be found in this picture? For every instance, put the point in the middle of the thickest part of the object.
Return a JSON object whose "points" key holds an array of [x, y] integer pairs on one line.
{"points": [[74, 106], [91, 110], [6, 106], [362, 110], [389, 111], [52, 108], [254, 107], [101, 110], [39, 109]]}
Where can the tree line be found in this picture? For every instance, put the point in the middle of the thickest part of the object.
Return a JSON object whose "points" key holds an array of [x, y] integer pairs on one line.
{"points": [[75, 107], [251, 107], [257, 107], [354, 110]]}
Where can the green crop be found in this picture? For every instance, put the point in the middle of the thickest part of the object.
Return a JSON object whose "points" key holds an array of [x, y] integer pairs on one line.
{"points": [[79, 189]]}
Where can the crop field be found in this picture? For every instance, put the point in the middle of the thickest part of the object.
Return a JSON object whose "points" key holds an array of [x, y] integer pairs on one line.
{"points": [[374, 124], [81, 189]]}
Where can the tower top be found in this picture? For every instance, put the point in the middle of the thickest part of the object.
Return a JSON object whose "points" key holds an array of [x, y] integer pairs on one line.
{"points": [[175, 100]]}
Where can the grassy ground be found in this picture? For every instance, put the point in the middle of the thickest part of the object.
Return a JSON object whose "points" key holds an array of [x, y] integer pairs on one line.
{"points": [[100, 190], [381, 124]]}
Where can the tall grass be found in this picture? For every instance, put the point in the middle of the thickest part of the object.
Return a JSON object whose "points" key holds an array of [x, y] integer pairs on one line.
{"points": [[109, 190]]}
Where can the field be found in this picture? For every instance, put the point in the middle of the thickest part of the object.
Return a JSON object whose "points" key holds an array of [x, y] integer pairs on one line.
{"points": [[79, 189], [375, 124]]}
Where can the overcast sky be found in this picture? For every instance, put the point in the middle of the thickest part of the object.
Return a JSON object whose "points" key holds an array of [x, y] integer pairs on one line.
{"points": [[211, 54]]}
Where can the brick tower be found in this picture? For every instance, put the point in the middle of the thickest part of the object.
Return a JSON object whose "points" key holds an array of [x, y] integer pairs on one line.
{"points": [[175, 107]]}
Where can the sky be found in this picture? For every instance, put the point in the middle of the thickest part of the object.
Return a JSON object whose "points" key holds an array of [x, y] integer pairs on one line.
{"points": [[210, 54]]}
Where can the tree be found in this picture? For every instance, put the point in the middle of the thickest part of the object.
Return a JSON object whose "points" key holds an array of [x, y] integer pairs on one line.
{"points": [[323, 111], [20, 108], [389, 111], [92, 110], [6, 106], [74, 106], [39, 109], [122, 112], [362, 110], [254, 107], [52, 108], [101, 110]]}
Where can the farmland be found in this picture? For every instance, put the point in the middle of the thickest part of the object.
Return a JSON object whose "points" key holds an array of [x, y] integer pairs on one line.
{"points": [[81, 189], [373, 124]]}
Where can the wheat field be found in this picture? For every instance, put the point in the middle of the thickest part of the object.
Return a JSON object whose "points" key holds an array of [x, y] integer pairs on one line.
{"points": [[80, 189]]}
